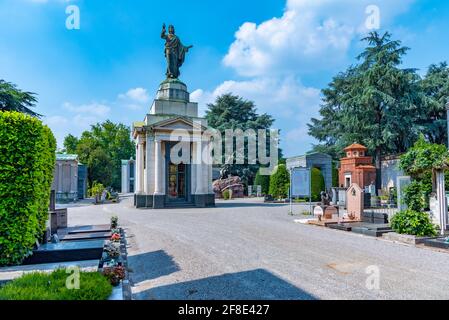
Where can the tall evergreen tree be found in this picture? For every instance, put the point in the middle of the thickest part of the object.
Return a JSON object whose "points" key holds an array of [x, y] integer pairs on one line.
{"points": [[435, 87], [14, 99], [232, 112], [375, 102]]}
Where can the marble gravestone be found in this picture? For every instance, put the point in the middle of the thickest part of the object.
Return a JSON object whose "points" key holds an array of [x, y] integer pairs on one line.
{"points": [[354, 202]]}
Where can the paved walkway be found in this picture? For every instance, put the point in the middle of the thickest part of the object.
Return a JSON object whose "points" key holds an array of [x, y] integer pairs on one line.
{"points": [[245, 249]]}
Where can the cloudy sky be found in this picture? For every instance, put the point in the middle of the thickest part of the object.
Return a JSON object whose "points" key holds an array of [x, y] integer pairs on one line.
{"points": [[277, 53]]}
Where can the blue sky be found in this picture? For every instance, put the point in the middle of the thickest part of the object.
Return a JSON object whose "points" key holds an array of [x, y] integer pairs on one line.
{"points": [[279, 53]]}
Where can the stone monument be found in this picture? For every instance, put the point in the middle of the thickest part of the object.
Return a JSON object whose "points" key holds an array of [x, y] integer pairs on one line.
{"points": [[173, 146], [354, 203]]}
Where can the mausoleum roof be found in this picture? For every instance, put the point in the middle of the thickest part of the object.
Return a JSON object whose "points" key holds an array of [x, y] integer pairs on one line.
{"points": [[355, 146], [66, 157]]}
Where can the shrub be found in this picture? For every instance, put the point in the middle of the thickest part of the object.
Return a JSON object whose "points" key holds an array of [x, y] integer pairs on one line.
{"points": [[263, 181], [318, 184], [413, 223], [414, 196], [52, 286], [27, 161], [280, 182], [227, 194]]}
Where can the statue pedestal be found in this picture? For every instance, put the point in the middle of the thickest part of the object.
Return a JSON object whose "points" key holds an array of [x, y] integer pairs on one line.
{"points": [[324, 212], [173, 98]]}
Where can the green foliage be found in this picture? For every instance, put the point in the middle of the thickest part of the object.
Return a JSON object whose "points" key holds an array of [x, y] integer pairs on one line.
{"points": [[227, 194], [232, 112], [70, 144], [318, 184], [97, 189], [102, 149], [414, 196], [263, 181], [44, 286], [423, 157], [413, 223], [435, 87], [14, 99], [374, 102], [27, 160], [280, 182]]}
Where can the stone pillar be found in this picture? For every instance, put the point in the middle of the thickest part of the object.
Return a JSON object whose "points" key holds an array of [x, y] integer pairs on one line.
{"points": [[158, 167], [199, 168], [59, 186], [441, 198], [139, 166], [148, 171]]}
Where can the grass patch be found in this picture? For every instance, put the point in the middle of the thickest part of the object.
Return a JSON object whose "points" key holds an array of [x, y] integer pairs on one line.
{"points": [[52, 286]]}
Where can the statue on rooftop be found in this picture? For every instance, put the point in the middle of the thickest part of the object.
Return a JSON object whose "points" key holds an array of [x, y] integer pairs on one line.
{"points": [[175, 52]]}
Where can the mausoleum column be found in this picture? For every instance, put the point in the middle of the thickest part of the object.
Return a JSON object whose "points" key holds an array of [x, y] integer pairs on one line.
{"points": [[140, 170], [158, 167], [199, 168]]}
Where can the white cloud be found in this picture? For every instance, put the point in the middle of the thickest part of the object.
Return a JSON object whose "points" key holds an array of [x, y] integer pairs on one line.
{"points": [[137, 94], [135, 99], [94, 108], [309, 35]]}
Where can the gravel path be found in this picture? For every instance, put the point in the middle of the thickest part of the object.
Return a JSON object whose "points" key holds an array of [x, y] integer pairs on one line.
{"points": [[245, 249]]}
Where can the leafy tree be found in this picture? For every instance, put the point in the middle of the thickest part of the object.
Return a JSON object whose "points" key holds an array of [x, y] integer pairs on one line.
{"points": [[14, 99], [435, 87], [280, 182], [375, 103], [70, 144], [102, 149], [419, 162], [232, 112]]}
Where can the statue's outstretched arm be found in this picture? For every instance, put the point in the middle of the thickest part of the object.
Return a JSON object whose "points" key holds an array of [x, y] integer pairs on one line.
{"points": [[163, 32]]}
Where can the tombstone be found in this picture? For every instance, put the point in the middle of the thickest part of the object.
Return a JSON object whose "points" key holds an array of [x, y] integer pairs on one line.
{"points": [[354, 202], [402, 182], [433, 205], [259, 191], [341, 197], [334, 197], [250, 191]]}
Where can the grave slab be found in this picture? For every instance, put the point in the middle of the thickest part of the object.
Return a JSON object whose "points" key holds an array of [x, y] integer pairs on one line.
{"points": [[88, 229], [84, 236], [66, 251]]}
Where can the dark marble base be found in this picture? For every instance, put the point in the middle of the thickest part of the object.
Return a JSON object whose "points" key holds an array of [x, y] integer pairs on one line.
{"points": [[340, 226], [437, 243], [159, 201], [88, 229], [66, 251], [375, 217], [85, 236]]}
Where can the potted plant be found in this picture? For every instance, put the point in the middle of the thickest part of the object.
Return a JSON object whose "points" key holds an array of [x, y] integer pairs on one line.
{"points": [[114, 274], [112, 249], [115, 237], [114, 222]]}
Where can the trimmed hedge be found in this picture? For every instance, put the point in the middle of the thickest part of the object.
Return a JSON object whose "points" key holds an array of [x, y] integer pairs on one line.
{"points": [[318, 184], [27, 160], [263, 181], [280, 182], [53, 286]]}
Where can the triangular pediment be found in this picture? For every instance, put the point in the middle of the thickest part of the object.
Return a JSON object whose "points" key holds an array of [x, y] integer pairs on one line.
{"points": [[178, 123]]}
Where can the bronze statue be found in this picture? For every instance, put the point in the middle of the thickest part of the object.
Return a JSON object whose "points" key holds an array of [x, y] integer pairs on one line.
{"points": [[175, 52]]}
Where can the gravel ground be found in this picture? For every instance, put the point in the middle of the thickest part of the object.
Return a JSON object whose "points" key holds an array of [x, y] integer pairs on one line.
{"points": [[245, 249]]}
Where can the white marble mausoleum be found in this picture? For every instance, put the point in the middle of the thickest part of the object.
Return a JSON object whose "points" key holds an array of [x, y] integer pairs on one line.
{"points": [[173, 152]]}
